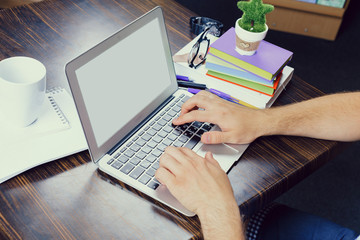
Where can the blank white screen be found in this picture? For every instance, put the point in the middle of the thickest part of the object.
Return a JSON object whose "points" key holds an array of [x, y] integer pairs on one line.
{"points": [[123, 80]]}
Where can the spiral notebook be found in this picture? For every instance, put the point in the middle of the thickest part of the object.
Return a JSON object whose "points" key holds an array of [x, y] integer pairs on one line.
{"points": [[56, 133]]}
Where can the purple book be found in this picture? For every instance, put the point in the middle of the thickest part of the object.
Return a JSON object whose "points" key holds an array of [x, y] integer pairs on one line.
{"points": [[268, 60]]}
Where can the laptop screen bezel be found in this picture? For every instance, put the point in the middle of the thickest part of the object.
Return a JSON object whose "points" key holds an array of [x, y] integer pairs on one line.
{"points": [[97, 152]]}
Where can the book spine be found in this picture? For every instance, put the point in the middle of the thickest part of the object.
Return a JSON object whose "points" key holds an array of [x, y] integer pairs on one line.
{"points": [[225, 80], [238, 74], [251, 85], [220, 65], [238, 62]]}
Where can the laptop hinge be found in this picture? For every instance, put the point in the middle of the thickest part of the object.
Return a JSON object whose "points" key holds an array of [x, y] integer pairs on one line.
{"points": [[142, 123]]}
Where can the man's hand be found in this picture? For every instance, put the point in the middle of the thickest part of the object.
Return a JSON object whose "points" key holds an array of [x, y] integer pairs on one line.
{"points": [[239, 125], [204, 188]]}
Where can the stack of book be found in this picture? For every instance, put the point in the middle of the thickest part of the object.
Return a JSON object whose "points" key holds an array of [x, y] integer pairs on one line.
{"points": [[260, 72]]}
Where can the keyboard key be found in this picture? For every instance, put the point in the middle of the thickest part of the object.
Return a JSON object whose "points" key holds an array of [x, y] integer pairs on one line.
{"points": [[157, 139], [144, 179], [137, 172], [193, 129], [185, 99], [156, 165], [147, 149], [157, 127], [172, 137], [153, 185], [110, 161], [197, 124], [157, 153], [146, 137], [151, 158], [161, 147], [177, 132], [176, 108], [188, 134], [141, 155], [140, 142], [168, 129], [117, 165], [172, 113], [129, 153], [178, 144], [167, 117], [145, 164], [183, 127], [152, 132], [162, 122], [152, 144], [135, 147], [135, 138], [163, 134], [123, 158], [135, 160], [151, 172], [167, 142], [200, 132], [206, 127], [127, 168], [192, 142], [183, 138]]}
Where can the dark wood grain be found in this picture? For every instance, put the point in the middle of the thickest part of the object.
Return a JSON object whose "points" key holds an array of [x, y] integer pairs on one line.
{"points": [[69, 198]]}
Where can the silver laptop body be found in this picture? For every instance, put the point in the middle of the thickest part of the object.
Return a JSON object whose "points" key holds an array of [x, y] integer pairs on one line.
{"points": [[125, 89]]}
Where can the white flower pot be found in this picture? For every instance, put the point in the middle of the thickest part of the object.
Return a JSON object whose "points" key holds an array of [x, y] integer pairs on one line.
{"points": [[248, 42]]}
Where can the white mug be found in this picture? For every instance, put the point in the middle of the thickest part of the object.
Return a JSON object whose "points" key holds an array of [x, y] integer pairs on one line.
{"points": [[22, 90]]}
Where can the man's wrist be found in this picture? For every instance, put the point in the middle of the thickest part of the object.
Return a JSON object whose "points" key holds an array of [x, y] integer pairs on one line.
{"points": [[222, 223]]}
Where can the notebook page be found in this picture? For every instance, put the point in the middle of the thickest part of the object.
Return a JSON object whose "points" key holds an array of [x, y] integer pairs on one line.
{"points": [[51, 119], [57, 139]]}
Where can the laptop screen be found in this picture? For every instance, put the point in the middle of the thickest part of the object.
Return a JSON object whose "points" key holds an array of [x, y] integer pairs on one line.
{"points": [[122, 84]]}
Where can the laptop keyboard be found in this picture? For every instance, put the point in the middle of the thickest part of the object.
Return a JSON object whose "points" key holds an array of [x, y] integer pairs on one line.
{"points": [[139, 158]]}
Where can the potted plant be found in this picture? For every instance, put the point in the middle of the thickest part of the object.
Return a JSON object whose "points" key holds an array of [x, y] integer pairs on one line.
{"points": [[251, 28]]}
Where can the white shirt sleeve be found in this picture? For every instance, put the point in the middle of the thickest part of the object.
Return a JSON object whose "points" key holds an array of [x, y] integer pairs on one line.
{"points": [[358, 238]]}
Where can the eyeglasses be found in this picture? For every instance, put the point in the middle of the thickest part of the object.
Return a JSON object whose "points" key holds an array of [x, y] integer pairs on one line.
{"points": [[199, 51]]}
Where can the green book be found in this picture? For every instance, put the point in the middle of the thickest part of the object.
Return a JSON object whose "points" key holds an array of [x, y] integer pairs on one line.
{"points": [[243, 83]]}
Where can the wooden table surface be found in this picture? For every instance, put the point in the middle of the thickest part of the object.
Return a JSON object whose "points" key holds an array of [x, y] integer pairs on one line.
{"points": [[69, 198]]}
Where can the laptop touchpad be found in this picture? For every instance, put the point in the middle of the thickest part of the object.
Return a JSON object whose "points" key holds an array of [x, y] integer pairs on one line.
{"points": [[223, 153]]}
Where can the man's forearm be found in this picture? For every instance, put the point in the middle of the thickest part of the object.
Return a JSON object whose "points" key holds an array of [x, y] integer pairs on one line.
{"points": [[332, 117], [222, 224]]}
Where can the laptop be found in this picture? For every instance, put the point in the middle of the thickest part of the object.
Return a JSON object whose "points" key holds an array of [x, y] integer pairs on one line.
{"points": [[126, 95]]}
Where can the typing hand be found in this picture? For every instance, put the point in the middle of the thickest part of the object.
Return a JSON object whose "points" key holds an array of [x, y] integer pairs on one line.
{"points": [[202, 187], [238, 124]]}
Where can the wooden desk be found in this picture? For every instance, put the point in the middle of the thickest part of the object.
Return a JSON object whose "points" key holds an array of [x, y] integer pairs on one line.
{"points": [[70, 198]]}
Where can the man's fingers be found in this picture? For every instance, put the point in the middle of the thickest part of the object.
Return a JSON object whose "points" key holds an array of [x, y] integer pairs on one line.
{"points": [[165, 177], [209, 157], [213, 137], [216, 137], [200, 100], [170, 163], [196, 115]]}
